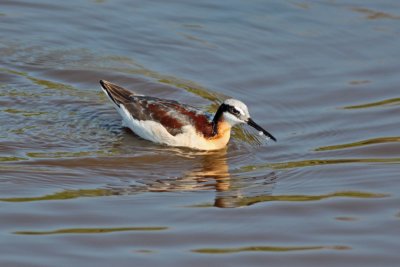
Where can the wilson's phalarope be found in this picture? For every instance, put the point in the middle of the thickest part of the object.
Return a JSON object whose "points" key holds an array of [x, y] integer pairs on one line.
{"points": [[169, 122]]}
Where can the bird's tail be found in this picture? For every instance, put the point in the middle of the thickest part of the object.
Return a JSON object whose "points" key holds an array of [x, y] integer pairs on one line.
{"points": [[116, 93]]}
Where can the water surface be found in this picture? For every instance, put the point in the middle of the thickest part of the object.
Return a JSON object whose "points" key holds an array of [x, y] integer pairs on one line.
{"points": [[78, 189]]}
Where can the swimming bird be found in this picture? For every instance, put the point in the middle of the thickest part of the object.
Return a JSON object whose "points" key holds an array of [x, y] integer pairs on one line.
{"points": [[172, 123]]}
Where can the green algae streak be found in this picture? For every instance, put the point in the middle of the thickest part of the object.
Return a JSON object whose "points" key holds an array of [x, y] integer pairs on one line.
{"points": [[91, 230], [264, 249], [373, 141]]}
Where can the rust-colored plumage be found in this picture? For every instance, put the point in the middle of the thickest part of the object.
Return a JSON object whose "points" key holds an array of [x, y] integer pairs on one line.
{"points": [[171, 114]]}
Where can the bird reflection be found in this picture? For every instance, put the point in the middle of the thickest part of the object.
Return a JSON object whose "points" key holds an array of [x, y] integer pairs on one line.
{"points": [[211, 172]]}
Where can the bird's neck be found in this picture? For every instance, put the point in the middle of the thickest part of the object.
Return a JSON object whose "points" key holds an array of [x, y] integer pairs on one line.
{"points": [[221, 128], [221, 138], [218, 118]]}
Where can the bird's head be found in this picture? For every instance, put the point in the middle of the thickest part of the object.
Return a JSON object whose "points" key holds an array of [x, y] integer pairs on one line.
{"points": [[235, 112]]}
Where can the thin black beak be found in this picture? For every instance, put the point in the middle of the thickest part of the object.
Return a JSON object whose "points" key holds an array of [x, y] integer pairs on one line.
{"points": [[259, 128]]}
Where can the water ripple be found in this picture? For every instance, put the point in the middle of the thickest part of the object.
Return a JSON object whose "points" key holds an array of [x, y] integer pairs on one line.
{"points": [[92, 230], [248, 201], [373, 141], [265, 249], [318, 162], [386, 102]]}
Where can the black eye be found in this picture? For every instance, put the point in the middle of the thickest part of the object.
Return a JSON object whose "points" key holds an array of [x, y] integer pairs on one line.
{"points": [[234, 111]]}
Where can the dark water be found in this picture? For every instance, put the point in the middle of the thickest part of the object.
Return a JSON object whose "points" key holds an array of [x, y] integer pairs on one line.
{"points": [[77, 189]]}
